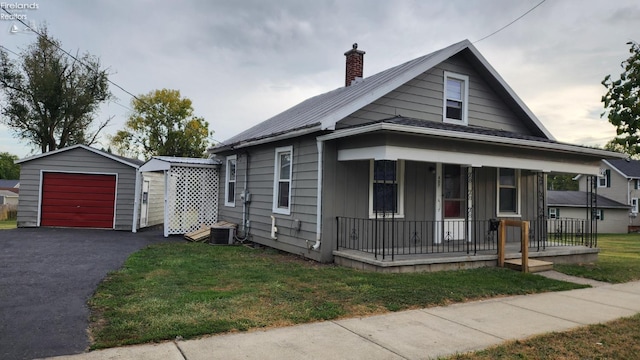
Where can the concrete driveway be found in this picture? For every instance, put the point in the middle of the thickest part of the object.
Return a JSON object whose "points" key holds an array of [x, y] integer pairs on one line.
{"points": [[46, 277]]}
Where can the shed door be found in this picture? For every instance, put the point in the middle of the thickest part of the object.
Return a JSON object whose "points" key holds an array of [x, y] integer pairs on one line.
{"points": [[78, 200]]}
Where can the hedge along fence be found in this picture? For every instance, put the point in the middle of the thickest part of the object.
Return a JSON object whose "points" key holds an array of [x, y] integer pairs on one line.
{"points": [[8, 212]]}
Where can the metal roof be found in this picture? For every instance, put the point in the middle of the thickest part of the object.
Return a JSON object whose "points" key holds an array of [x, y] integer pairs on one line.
{"points": [[323, 111], [161, 163], [579, 199]]}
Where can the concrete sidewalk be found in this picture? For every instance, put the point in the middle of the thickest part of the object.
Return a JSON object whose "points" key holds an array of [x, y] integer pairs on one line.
{"points": [[414, 334]]}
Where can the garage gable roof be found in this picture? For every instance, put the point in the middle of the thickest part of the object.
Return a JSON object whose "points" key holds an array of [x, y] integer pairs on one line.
{"points": [[134, 163]]}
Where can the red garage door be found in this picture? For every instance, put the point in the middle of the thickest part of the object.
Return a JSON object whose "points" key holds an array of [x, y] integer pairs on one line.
{"points": [[78, 200]]}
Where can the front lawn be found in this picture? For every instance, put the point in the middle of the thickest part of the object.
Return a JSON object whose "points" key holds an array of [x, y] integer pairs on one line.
{"points": [[618, 261], [191, 289]]}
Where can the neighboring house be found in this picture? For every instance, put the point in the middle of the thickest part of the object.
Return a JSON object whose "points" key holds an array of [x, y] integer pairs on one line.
{"points": [[408, 162], [612, 216], [620, 182], [9, 192], [79, 186]]}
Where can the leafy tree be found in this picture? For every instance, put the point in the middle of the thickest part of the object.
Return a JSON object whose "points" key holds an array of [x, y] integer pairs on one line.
{"points": [[561, 182], [50, 98], [8, 168], [622, 102], [162, 123]]}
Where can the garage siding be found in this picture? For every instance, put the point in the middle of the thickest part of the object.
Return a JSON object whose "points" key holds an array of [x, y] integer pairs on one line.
{"points": [[77, 160]]}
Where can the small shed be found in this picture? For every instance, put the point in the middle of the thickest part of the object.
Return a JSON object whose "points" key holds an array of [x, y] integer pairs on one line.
{"points": [[190, 194], [79, 186]]}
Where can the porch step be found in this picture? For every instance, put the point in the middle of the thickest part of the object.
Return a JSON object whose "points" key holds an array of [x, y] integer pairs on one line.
{"points": [[534, 265]]}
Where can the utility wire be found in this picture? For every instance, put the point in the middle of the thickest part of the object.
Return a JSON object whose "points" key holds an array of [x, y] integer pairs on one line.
{"points": [[506, 26], [8, 50], [66, 52]]}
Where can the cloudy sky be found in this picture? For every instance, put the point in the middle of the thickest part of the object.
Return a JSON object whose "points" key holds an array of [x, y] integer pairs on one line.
{"points": [[243, 61]]}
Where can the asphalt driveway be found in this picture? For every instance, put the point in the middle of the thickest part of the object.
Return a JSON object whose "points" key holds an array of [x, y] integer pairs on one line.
{"points": [[46, 277]]}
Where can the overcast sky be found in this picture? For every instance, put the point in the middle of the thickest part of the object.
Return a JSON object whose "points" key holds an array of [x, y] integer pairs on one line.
{"points": [[242, 61]]}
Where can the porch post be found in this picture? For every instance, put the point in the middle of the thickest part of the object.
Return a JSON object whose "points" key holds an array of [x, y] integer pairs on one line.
{"points": [[469, 216], [437, 229], [541, 229]]}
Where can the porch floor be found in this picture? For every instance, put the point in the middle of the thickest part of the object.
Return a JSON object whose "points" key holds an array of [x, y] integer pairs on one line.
{"points": [[458, 260]]}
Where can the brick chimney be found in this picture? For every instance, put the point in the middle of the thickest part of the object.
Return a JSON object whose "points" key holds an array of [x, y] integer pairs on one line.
{"points": [[355, 64]]}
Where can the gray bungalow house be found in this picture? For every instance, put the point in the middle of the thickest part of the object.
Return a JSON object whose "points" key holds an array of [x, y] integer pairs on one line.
{"points": [[408, 167]]}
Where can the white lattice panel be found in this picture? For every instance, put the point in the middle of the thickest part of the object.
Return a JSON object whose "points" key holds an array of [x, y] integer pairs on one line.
{"points": [[193, 198]]}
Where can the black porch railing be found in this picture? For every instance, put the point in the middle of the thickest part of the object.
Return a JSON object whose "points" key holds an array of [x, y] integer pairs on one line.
{"points": [[391, 237]]}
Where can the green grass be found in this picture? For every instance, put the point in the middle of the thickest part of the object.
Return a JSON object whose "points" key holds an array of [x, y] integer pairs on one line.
{"points": [[8, 224], [619, 339], [618, 261], [191, 289]]}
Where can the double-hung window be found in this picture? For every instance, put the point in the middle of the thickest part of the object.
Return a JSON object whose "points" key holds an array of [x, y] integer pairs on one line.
{"points": [[456, 98], [604, 181], [283, 172], [386, 187], [634, 205], [230, 181], [508, 192]]}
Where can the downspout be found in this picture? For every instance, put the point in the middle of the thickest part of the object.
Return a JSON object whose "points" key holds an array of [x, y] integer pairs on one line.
{"points": [[316, 246], [245, 202], [136, 203]]}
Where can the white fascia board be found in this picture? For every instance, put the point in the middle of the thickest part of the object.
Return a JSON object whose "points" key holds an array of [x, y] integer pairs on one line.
{"points": [[471, 137], [467, 159], [615, 169], [85, 147], [155, 165], [267, 140]]}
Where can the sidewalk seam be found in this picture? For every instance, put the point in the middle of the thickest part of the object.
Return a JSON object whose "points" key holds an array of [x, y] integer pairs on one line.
{"points": [[180, 349], [369, 340], [464, 325]]}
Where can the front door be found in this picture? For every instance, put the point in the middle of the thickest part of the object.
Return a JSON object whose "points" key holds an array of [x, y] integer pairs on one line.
{"points": [[454, 196]]}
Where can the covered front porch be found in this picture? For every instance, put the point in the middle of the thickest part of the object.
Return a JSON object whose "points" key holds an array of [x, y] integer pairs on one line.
{"points": [[413, 196], [386, 245]]}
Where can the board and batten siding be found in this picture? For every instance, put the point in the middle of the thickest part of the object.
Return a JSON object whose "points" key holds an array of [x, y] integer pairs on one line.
{"points": [[155, 198], [75, 161], [422, 98], [261, 161]]}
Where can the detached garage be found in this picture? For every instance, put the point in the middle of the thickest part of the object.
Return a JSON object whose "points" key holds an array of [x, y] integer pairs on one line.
{"points": [[79, 186]]}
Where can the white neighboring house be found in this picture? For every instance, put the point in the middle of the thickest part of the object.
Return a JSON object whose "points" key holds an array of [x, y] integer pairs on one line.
{"points": [[620, 182], [9, 192], [612, 216]]}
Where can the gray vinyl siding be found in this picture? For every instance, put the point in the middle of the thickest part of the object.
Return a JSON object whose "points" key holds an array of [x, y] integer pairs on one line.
{"points": [[615, 220], [156, 198], [77, 161], [261, 186], [422, 98]]}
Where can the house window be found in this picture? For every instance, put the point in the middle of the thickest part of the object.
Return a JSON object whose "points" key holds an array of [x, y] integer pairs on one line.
{"points": [[508, 192], [386, 196], [554, 213], [282, 180], [634, 205], [456, 98], [599, 213], [230, 181], [604, 181], [637, 184]]}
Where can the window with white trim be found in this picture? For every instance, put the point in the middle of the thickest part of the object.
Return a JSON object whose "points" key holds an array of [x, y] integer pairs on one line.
{"points": [[508, 192], [553, 213], [456, 98], [599, 213], [604, 181], [283, 171], [634, 205], [386, 188], [230, 181]]}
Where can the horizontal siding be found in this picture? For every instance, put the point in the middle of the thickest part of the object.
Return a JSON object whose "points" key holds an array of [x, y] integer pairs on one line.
{"points": [[261, 161], [80, 161], [422, 98]]}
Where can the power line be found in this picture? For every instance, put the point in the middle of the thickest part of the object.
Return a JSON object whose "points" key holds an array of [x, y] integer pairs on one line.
{"points": [[8, 50], [506, 26], [66, 52]]}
